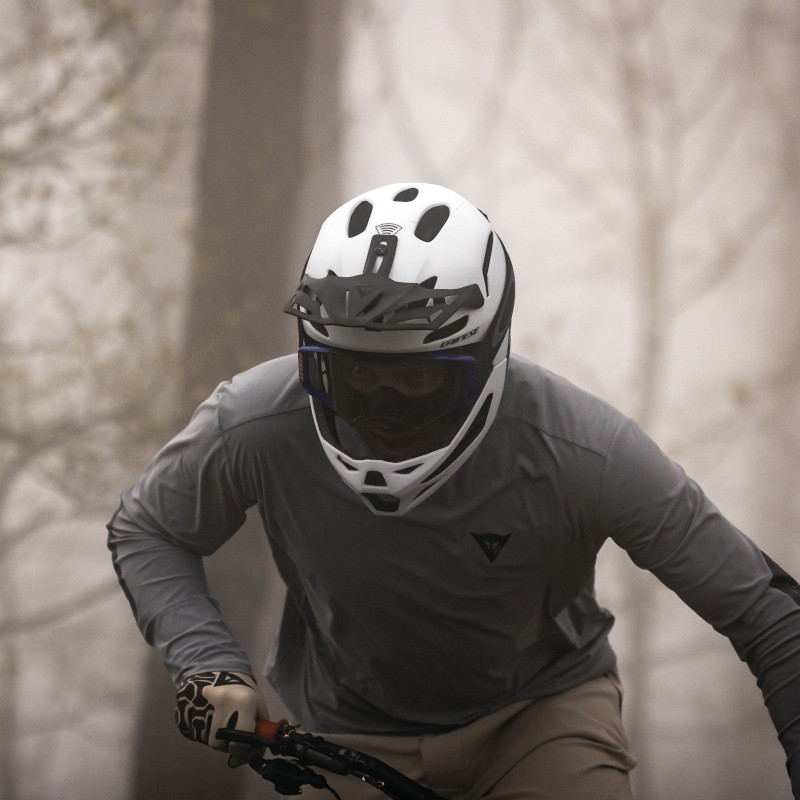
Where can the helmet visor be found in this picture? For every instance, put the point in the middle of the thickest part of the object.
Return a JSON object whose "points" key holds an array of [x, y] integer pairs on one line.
{"points": [[411, 389]]}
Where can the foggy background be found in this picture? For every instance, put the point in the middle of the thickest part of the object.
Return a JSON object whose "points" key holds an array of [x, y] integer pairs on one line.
{"points": [[164, 165]]}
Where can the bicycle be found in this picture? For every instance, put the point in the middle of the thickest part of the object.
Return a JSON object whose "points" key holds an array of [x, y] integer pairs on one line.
{"points": [[297, 753]]}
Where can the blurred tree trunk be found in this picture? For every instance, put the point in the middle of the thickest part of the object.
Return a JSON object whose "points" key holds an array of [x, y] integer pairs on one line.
{"points": [[779, 496], [268, 59]]}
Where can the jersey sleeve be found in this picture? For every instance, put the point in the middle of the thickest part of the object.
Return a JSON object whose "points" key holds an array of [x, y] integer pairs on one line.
{"points": [[652, 509], [185, 506]]}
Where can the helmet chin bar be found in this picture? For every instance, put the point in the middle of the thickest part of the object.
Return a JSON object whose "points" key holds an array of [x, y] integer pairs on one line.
{"points": [[394, 488]]}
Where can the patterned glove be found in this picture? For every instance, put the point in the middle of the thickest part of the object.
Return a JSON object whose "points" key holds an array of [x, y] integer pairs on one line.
{"points": [[212, 700]]}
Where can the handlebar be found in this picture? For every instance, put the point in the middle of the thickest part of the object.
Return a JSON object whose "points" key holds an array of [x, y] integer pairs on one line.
{"points": [[299, 752]]}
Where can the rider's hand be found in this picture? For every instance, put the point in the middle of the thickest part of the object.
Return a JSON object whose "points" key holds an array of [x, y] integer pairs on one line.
{"points": [[212, 700]]}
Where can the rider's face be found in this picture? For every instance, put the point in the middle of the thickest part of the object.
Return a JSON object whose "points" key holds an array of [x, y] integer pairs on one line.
{"points": [[398, 405], [403, 405]]}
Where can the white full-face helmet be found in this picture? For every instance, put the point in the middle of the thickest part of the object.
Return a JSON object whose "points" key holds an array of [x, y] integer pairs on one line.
{"points": [[404, 311]]}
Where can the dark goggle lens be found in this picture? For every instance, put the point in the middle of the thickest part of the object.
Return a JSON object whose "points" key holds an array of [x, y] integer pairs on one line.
{"points": [[413, 389]]}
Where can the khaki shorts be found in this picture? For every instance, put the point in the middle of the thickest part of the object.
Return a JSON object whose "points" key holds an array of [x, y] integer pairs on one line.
{"points": [[569, 746]]}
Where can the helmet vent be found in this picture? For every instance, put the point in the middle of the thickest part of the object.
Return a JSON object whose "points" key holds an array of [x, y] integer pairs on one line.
{"points": [[359, 218], [374, 478], [487, 257], [382, 502], [446, 330], [431, 222], [407, 470], [407, 195], [427, 302]]}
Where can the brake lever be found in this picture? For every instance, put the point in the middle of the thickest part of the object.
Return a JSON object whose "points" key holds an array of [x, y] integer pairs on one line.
{"points": [[303, 747], [288, 776]]}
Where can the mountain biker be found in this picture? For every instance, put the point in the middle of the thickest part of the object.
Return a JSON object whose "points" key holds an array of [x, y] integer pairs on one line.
{"points": [[434, 505]]}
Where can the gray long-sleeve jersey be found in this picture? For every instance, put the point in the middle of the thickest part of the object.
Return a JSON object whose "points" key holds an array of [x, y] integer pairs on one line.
{"points": [[479, 597]]}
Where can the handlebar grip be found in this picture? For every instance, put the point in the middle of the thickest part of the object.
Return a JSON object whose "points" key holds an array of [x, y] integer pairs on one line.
{"points": [[266, 729]]}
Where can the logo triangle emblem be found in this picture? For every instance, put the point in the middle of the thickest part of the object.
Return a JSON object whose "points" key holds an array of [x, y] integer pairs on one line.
{"points": [[491, 544]]}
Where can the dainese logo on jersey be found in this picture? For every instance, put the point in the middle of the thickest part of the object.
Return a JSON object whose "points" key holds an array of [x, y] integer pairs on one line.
{"points": [[491, 544]]}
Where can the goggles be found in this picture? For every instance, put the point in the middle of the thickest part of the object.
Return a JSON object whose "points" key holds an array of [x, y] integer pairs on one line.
{"points": [[413, 389]]}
